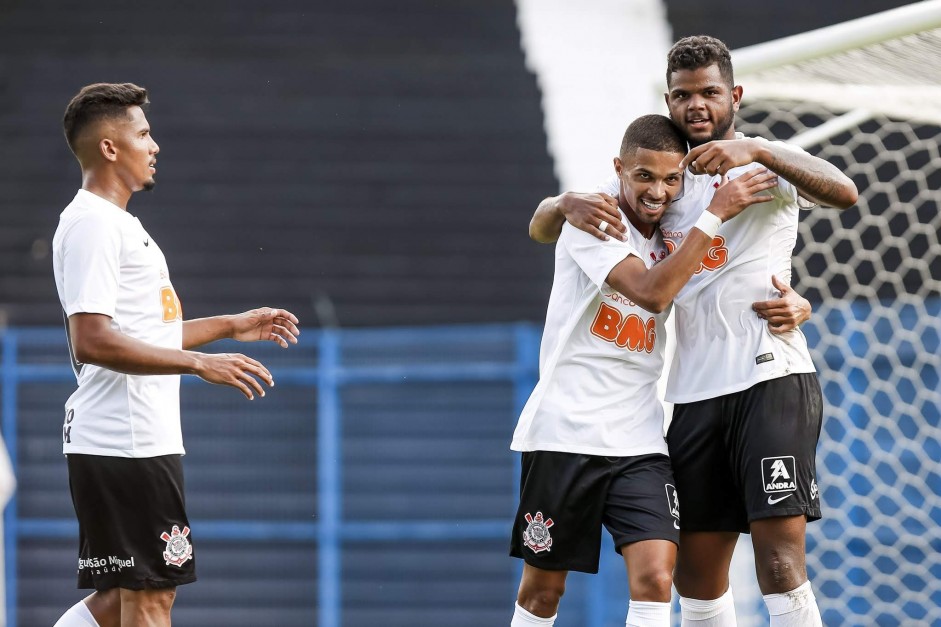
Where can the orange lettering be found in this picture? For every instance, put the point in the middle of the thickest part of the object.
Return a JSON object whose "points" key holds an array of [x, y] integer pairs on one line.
{"points": [[172, 310], [631, 332], [606, 323], [716, 257]]}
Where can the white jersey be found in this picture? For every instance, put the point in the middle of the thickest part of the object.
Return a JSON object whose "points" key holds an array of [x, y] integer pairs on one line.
{"points": [[106, 263], [600, 359], [722, 346]]}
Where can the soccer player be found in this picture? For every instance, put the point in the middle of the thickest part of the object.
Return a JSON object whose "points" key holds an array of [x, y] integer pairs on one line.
{"points": [[129, 344], [592, 431], [748, 405]]}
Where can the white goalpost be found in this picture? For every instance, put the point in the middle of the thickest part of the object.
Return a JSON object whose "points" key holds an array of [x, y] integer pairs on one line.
{"points": [[866, 96]]}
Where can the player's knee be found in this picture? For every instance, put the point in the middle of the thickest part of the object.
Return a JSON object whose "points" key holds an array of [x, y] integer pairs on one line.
{"points": [[781, 570], [542, 599], [653, 584]]}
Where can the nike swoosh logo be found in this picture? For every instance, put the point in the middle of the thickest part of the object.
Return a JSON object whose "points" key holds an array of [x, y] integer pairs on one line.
{"points": [[147, 242], [772, 500]]}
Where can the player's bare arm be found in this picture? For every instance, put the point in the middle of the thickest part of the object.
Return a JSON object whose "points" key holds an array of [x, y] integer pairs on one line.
{"points": [[785, 313], [258, 325], [95, 342], [654, 289], [815, 178], [593, 213]]}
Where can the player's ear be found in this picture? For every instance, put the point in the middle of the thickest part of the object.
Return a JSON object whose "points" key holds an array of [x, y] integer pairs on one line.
{"points": [[736, 97], [108, 150], [618, 166]]}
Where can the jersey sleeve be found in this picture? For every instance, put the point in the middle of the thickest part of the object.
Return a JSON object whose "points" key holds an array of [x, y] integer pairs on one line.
{"points": [[609, 186], [91, 255], [596, 258]]}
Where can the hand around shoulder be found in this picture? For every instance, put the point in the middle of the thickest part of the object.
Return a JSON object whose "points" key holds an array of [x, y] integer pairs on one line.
{"points": [[595, 214], [720, 156]]}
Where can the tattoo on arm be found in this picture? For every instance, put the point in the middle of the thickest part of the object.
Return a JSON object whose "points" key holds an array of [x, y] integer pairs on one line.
{"points": [[813, 177]]}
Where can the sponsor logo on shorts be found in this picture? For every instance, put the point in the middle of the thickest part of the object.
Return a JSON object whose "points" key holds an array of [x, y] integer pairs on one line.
{"points": [[179, 550], [814, 491], [673, 502], [778, 476], [110, 564], [536, 536]]}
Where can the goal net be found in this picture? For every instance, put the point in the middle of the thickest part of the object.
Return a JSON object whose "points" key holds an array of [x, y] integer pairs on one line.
{"points": [[866, 96]]}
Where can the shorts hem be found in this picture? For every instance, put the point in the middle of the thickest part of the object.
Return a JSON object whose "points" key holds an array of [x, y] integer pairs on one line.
{"points": [[580, 567], [811, 513], [653, 535], [146, 584]]}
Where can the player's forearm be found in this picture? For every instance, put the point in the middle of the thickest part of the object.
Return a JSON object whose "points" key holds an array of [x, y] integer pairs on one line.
{"points": [[206, 330], [546, 225], [655, 289], [814, 178], [119, 352]]}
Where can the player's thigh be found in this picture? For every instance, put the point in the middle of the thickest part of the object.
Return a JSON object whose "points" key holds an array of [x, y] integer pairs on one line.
{"points": [[558, 522], [147, 608], [708, 488], [702, 563], [775, 433]]}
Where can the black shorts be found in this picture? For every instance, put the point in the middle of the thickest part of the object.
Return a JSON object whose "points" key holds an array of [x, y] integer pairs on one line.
{"points": [[132, 527], [565, 498], [748, 455]]}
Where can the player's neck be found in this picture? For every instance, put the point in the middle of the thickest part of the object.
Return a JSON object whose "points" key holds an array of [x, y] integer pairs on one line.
{"points": [[106, 187]]}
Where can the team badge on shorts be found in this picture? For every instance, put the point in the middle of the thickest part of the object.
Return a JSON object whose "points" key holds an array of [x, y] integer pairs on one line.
{"points": [[779, 477], [179, 550], [536, 536], [673, 503]]}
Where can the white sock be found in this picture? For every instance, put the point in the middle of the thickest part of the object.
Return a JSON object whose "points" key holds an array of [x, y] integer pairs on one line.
{"points": [[77, 616], [648, 614], [797, 608], [522, 618], [716, 613]]}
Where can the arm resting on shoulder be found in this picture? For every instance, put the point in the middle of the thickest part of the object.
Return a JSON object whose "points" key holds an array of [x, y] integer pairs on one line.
{"points": [[815, 178]]}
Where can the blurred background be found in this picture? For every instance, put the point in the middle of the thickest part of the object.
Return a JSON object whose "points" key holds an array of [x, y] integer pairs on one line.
{"points": [[372, 167]]}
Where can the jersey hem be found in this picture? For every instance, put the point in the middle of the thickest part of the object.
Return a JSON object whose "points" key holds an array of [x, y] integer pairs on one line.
{"points": [[589, 450], [732, 389], [111, 452]]}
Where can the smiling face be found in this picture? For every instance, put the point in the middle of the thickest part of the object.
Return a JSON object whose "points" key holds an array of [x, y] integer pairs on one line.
{"points": [[703, 104], [134, 150], [649, 180]]}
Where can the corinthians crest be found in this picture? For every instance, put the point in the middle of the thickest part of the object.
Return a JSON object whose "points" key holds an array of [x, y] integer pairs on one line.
{"points": [[179, 549], [536, 536]]}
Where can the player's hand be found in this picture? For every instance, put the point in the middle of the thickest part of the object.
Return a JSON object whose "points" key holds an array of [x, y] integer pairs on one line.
{"points": [[733, 197], [596, 214], [237, 370], [785, 313], [266, 323], [720, 156]]}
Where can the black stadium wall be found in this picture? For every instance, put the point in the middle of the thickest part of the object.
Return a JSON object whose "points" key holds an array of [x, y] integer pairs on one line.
{"points": [[361, 162]]}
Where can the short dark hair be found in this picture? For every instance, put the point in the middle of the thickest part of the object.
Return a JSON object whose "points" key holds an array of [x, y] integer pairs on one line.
{"points": [[698, 51], [97, 102], [653, 132]]}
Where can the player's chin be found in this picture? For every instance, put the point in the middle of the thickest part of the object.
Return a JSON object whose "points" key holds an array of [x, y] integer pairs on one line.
{"points": [[148, 185]]}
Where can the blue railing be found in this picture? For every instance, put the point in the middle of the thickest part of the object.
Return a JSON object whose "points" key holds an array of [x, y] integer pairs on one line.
{"points": [[329, 376]]}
